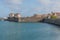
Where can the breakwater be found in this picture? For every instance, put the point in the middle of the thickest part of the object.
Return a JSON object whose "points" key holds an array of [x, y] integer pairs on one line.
{"points": [[52, 21]]}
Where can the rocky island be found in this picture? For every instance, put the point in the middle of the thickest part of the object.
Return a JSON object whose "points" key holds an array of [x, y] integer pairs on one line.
{"points": [[52, 18], [18, 18]]}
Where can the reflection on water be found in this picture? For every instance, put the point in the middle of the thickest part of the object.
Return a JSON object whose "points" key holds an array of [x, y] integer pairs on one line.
{"points": [[28, 31]]}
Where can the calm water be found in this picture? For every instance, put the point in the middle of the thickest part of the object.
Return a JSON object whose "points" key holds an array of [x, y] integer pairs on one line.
{"points": [[28, 31]]}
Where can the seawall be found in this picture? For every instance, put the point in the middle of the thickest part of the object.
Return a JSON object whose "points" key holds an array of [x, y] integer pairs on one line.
{"points": [[52, 21]]}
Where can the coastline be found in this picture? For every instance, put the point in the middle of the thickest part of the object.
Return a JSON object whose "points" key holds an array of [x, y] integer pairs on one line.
{"points": [[52, 21]]}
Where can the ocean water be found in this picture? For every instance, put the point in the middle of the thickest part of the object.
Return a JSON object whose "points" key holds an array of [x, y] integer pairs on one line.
{"points": [[28, 31]]}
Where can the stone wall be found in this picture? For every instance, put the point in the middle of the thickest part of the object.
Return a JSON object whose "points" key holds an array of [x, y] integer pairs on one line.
{"points": [[52, 21]]}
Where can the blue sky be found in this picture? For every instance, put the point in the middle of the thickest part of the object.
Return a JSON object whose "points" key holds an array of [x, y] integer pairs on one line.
{"points": [[28, 7]]}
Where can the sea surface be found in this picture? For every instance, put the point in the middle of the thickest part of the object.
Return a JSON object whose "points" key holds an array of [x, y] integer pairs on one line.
{"points": [[28, 31]]}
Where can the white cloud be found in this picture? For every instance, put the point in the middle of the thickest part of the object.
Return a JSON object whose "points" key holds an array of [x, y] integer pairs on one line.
{"points": [[56, 6], [45, 2], [51, 5]]}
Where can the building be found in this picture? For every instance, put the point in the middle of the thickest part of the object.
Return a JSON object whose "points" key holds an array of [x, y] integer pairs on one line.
{"points": [[49, 16], [14, 17], [53, 15], [11, 15], [58, 14], [17, 15]]}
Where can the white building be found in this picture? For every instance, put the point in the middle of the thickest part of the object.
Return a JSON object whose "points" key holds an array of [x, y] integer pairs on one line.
{"points": [[11, 15], [17, 15]]}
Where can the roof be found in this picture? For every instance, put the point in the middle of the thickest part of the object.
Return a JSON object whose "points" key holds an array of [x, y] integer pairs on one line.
{"points": [[57, 13]]}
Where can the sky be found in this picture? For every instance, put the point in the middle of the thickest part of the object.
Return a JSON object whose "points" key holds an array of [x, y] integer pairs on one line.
{"points": [[28, 7]]}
